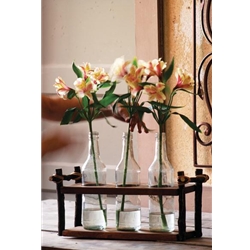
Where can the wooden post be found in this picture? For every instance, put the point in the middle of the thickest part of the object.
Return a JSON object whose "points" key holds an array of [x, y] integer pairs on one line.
{"points": [[198, 205], [78, 202], [60, 203], [182, 210]]}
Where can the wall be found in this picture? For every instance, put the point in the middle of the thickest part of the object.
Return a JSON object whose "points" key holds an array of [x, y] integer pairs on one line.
{"points": [[177, 43], [84, 31], [178, 36]]}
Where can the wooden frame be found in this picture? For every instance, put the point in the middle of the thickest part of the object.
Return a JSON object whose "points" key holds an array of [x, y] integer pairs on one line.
{"points": [[185, 185]]}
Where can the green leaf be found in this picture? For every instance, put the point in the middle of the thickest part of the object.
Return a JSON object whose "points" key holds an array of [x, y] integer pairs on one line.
{"points": [[85, 102], [145, 83], [107, 100], [77, 71], [123, 97], [155, 117], [77, 118], [167, 74], [163, 106], [67, 116], [95, 99], [111, 89], [188, 121], [106, 119], [135, 62], [158, 105], [167, 89], [142, 109], [185, 90], [105, 84], [71, 94], [166, 117]]}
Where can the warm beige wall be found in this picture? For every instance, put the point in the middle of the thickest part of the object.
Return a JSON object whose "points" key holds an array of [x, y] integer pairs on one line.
{"points": [[85, 31], [146, 49], [178, 43], [178, 36]]}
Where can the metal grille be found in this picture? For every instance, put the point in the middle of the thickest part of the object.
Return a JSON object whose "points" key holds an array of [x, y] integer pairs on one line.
{"points": [[202, 72]]}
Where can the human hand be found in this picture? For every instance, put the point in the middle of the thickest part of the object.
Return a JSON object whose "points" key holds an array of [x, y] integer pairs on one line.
{"points": [[136, 120], [53, 141], [121, 113]]}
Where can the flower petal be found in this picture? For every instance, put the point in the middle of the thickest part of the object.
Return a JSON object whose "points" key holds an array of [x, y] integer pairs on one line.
{"points": [[61, 88], [184, 80]]}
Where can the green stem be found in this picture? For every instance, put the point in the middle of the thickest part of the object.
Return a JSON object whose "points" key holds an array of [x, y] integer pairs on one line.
{"points": [[130, 110], [95, 167], [160, 157], [125, 168], [163, 218]]}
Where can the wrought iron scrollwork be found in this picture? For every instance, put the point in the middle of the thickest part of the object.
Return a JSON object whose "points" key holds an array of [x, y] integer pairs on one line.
{"points": [[203, 80]]}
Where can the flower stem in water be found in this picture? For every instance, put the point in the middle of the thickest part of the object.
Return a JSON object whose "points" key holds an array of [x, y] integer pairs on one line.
{"points": [[95, 169], [163, 218]]}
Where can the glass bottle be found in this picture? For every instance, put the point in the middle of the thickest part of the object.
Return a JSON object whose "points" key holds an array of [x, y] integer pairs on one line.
{"points": [[127, 174], [94, 174], [161, 174]]}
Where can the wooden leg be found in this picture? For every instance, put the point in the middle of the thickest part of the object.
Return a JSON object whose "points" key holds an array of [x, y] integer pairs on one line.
{"points": [[198, 205], [182, 213], [60, 204], [78, 202]]}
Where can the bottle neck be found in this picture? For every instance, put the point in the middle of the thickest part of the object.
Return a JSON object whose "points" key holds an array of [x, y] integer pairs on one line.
{"points": [[127, 143], [94, 138], [160, 145]]}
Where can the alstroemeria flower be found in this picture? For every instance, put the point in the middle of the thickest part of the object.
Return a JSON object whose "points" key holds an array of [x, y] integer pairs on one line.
{"points": [[99, 75], [119, 69], [61, 88], [155, 92], [133, 79], [86, 68], [155, 67], [85, 87], [184, 80]]}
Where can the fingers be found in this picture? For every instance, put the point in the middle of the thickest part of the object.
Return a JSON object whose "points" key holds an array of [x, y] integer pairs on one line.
{"points": [[121, 113], [136, 121], [132, 124], [139, 124], [144, 127]]}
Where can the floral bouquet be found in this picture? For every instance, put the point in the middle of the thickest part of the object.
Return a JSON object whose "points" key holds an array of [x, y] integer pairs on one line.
{"points": [[151, 79], [160, 99], [132, 73], [87, 84]]}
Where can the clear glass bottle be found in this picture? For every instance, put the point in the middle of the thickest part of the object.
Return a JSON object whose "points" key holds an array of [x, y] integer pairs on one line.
{"points": [[161, 174], [127, 173], [94, 174]]}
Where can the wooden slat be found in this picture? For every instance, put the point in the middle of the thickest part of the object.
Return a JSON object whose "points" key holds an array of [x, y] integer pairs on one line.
{"points": [[112, 189], [112, 233]]}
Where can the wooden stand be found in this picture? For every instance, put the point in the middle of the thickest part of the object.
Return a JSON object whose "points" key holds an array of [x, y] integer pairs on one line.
{"points": [[185, 185]]}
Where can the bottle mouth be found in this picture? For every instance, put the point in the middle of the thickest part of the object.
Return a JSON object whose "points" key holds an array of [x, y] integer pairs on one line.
{"points": [[94, 133], [125, 135], [157, 134]]}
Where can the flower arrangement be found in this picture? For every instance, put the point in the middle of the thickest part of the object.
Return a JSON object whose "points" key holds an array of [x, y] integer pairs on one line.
{"points": [[132, 73], [87, 84], [159, 92], [151, 78]]}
